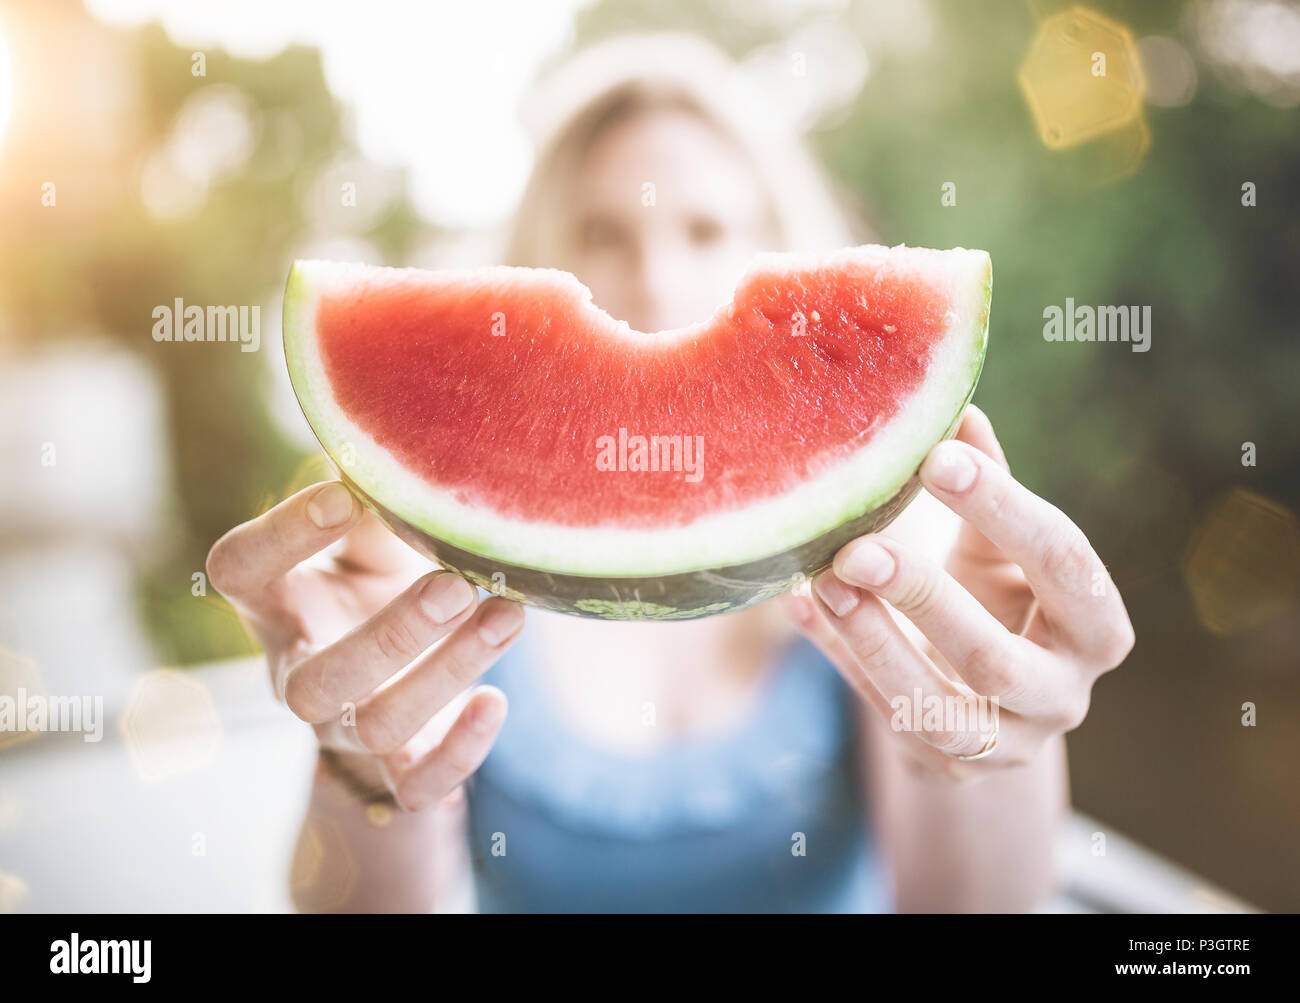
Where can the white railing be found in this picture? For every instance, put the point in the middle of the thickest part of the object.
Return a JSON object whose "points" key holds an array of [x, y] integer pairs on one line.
{"points": [[88, 827]]}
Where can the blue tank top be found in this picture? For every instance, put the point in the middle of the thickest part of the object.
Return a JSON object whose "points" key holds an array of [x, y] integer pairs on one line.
{"points": [[767, 817]]}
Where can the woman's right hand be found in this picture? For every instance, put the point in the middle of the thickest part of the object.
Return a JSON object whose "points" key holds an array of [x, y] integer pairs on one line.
{"points": [[340, 628]]}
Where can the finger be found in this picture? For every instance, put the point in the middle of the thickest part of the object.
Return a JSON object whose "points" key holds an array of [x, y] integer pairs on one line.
{"points": [[803, 611], [889, 660], [815, 627], [253, 555], [976, 429], [1075, 593], [393, 715], [319, 687], [451, 762], [992, 660]]}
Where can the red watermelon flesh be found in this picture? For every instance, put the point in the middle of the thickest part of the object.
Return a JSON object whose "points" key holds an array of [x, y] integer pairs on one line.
{"points": [[415, 364], [487, 407]]}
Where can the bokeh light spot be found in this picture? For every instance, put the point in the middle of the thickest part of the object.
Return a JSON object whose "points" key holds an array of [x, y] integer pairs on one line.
{"points": [[324, 870], [170, 725], [13, 890], [1170, 72], [1254, 45], [1243, 563], [1081, 77]]}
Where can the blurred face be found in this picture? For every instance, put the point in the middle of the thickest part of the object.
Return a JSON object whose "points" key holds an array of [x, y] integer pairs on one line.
{"points": [[666, 216]]}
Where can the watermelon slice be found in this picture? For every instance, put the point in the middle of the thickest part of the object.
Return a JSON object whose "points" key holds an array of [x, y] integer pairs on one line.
{"points": [[505, 426]]}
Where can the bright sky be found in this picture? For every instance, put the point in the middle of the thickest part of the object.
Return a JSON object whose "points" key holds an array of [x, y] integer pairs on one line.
{"points": [[435, 86]]}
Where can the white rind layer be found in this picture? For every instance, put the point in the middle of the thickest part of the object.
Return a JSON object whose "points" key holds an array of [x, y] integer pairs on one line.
{"points": [[863, 481]]}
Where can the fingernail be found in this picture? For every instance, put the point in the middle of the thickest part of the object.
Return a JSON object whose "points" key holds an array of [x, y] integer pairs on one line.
{"points": [[839, 597], [950, 467], [500, 622], [486, 716], [446, 596], [331, 506], [868, 563]]}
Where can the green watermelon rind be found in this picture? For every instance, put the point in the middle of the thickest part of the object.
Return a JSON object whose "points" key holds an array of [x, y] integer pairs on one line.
{"points": [[622, 584]]}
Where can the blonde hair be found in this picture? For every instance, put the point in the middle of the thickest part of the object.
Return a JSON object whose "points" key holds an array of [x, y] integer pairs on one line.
{"points": [[613, 80]]}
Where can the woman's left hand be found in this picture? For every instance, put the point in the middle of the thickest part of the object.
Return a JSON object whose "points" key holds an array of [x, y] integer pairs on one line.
{"points": [[1023, 611]]}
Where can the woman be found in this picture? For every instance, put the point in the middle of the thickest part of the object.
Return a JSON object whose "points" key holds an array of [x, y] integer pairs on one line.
{"points": [[731, 763]]}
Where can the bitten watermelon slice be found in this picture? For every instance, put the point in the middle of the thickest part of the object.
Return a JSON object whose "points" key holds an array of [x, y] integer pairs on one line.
{"points": [[509, 429]]}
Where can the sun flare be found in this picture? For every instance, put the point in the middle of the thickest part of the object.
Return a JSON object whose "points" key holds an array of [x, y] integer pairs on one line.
{"points": [[6, 84]]}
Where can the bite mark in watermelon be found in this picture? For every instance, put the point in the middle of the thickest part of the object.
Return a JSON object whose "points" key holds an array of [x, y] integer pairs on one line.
{"points": [[509, 429]]}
